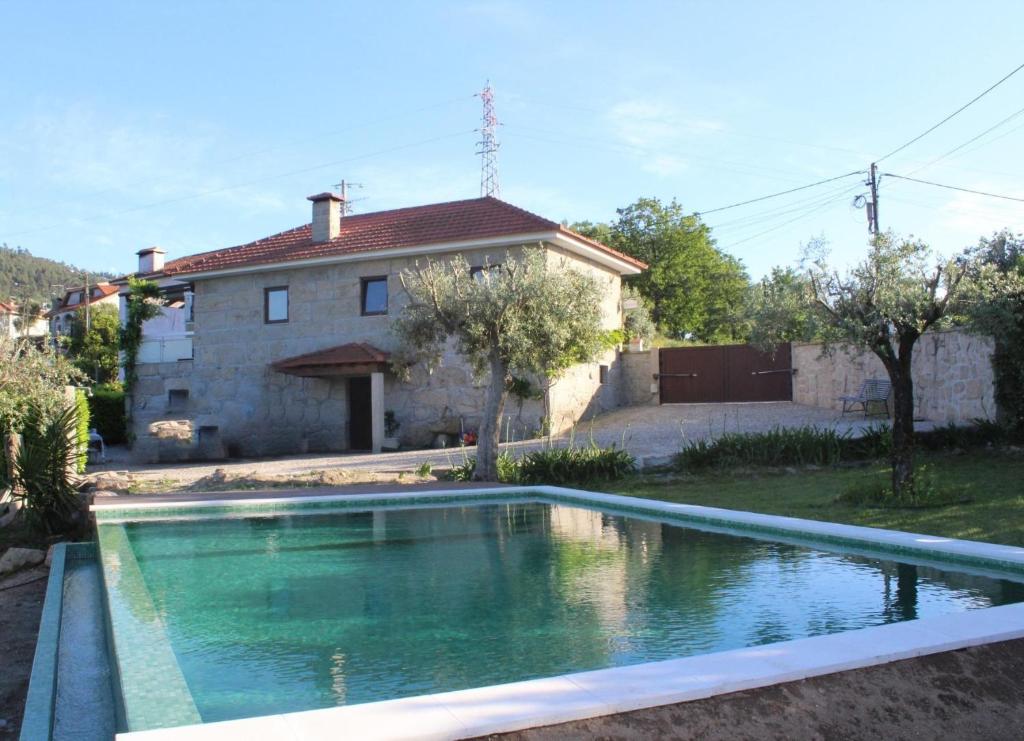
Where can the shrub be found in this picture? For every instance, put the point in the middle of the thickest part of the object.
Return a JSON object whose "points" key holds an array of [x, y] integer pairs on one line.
{"points": [[106, 409], [556, 466], [81, 430], [777, 447], [575, 465], [43, 466]]}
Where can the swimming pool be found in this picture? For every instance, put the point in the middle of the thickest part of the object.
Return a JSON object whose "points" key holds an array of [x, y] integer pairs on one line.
{"points": [[266, 610]]}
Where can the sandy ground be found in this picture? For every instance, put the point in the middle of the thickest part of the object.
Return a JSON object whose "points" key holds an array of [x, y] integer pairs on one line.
{"points": [[20, 608], [653, 434], [975, 693]]}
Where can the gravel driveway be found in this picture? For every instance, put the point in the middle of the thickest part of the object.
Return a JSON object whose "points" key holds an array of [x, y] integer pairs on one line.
{"points": [[651, 433]]}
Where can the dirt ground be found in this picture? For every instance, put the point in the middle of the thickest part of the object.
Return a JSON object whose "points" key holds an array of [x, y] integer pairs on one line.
{"points": [[974, 693], [20, 607]]}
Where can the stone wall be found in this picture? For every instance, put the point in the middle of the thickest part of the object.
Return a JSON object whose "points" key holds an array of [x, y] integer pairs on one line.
{"points": [[639, 386], [257, 411], [953, 380]]}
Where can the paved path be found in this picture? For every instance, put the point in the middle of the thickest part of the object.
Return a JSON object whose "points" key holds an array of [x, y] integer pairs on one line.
{"points": [[651, 433]]}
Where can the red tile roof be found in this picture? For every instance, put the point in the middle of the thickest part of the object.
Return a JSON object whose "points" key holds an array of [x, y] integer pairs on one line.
{"points": [[7, 308], [106, 290], [350, 354], [457, 221]]}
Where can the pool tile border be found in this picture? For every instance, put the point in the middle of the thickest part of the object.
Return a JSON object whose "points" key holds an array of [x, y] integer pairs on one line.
{"points": [[519, 705], [146, 666]]}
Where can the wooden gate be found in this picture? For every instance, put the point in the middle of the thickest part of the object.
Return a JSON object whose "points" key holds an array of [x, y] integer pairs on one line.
{"points": [[724, 373]]}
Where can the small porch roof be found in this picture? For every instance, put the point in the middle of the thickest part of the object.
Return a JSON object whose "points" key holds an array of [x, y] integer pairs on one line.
{"points": [[350, 359]]}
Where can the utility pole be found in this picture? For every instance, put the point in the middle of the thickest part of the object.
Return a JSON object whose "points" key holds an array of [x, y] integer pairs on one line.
{"points": [[872, 205], [88, 321]]}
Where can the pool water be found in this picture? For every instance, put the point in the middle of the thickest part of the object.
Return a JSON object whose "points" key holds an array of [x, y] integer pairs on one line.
{"points": [[275, 614]]}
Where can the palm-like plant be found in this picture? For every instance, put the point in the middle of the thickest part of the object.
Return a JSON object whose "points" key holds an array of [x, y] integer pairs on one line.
{"points": [[44, 469]]}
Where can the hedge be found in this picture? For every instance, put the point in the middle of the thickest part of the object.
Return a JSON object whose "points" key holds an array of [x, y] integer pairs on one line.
{"points": [[106, 408]]}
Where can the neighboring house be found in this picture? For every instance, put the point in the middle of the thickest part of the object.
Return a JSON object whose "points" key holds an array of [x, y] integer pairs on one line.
{"points": [[11, 322], [63, 311], [289, 342]]}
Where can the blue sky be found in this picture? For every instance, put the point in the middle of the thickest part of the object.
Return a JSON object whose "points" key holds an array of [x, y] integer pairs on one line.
{"points": [[199, 125]]}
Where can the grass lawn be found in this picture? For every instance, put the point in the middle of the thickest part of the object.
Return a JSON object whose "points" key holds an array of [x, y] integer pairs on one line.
{"points": [[994, 481]]}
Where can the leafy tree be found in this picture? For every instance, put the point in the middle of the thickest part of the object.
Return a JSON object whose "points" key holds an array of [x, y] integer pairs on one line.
{"points": [[694, 289], [999, 312], [522, 318], [31, 376], [781, 309], [884, 304], [28, 313], [95, 352]]}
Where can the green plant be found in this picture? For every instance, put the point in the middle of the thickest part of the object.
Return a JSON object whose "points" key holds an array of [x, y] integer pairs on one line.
{"points": [[391, 424], [556, 466], [574, 465], [927, 492], [43, 467], [143, 303], [424, 469], [81, 430], [106, 410]]}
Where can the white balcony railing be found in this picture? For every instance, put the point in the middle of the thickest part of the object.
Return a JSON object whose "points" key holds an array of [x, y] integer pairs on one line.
{"points": [[165, 349]]}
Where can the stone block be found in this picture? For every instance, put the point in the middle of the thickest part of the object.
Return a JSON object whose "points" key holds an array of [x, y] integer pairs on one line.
{"points": [[16, 559]]}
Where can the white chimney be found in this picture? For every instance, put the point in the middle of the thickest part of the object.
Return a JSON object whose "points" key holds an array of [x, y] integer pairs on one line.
{"points": [[151, 260], [326, 216]]}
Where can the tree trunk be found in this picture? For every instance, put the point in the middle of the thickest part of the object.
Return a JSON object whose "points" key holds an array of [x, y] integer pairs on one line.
{"points": [[490, 423], [903, 420]]}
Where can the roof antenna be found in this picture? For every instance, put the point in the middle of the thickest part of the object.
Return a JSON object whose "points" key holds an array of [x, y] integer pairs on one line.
{"points": [[488, 144], [346, 203]]}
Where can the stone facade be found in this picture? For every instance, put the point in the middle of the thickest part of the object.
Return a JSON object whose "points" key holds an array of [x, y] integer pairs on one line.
{"points": [[953, 378], [233, 396], [639, 383]]}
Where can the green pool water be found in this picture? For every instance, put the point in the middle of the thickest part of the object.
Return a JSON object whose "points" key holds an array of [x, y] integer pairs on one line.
{"points": [[284, 613]]}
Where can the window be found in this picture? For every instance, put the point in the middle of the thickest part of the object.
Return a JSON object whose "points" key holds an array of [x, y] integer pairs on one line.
{"points": [[602, 371], [275, 305], [177, 400], [375, 296]]}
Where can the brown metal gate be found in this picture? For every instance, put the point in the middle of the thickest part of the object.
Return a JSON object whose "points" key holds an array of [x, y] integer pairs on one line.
{"points": [[724, 373]]}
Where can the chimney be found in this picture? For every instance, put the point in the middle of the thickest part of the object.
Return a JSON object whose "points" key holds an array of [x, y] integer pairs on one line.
{"points": [[326, 216], [151, 260]]}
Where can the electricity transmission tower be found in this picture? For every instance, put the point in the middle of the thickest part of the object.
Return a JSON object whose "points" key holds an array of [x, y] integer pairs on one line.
{"points": [[488, 146]]}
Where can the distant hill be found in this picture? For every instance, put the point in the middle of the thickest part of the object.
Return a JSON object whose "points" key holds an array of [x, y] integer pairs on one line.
{"points": [[25, 276]]}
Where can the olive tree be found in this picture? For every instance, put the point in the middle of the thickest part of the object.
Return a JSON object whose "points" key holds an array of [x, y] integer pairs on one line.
{"points": [[884, 304], [522, 317]]}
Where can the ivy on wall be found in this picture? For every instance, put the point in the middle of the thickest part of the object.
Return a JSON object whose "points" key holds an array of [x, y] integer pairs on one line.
{"points": [[143, 304]]}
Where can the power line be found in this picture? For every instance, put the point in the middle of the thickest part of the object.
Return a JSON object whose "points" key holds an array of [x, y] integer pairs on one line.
{"points": [[951, 115], [815, 208], [780, 193], [781, 210], [953, 187], [969, 141]]}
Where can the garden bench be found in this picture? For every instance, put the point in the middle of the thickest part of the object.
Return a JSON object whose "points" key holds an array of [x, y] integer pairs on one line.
{"points": [[872, 391]]}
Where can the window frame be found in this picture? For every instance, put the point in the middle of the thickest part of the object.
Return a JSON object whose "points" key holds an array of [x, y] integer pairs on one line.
{"points": [[266, 304], [363, 283]]}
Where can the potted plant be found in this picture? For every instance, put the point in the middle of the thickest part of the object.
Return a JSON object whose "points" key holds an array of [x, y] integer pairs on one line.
{"points": [[639, 328]]}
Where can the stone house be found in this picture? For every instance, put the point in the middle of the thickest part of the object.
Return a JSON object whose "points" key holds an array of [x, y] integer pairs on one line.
{"points": [[63, 311], [283, 344]]}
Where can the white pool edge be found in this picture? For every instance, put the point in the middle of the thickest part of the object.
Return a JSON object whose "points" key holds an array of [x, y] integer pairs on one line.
{"points": [[519, 705]]}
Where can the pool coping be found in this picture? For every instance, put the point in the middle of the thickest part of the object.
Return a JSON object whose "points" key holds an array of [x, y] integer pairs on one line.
{"points": [[569, 697]]}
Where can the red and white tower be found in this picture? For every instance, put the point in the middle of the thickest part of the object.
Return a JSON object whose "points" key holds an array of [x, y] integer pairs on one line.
{"points": [[488, 144]]}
